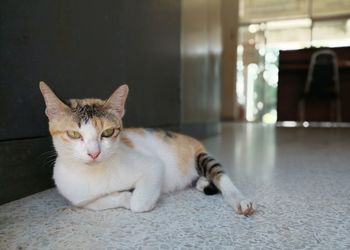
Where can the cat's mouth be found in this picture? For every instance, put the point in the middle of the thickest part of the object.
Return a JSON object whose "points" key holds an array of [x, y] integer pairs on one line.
{"points": [[93, 162]]}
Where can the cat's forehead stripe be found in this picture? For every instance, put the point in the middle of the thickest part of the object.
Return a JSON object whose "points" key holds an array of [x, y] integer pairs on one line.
{"points": [[85, 110]]}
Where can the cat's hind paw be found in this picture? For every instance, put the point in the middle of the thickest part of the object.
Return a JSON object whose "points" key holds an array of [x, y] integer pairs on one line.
{"points": [[246, 207]]}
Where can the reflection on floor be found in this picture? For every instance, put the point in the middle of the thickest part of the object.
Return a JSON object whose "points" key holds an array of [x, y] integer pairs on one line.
{"points": [[299, 177]]}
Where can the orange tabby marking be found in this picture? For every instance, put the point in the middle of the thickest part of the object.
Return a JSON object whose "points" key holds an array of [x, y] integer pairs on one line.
{"points": [[124, 139]]}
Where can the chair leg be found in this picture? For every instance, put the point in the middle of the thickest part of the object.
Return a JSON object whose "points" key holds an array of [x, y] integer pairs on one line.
{"points": [[338, 110], [332, 111], [301, 110]]}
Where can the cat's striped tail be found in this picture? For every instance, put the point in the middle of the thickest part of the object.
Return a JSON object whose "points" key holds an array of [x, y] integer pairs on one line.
{"points": [[209, 171], [213, 179]]}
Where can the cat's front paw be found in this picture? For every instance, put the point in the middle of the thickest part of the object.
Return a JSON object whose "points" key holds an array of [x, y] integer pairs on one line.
{"points": [[137, 207], [246, 207], [125, 199]]}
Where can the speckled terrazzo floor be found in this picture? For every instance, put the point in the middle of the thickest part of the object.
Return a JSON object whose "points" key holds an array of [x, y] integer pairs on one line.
{"points": [[299, 177]]}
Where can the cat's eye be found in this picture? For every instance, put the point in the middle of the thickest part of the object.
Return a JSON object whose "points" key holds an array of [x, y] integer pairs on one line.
{"points": [[108, 132], [73, 134]]}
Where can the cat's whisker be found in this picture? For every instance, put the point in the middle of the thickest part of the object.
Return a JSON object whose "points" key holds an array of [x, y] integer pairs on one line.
{"points": [[48, 152], [52, 155], [49, 159], [49, 163]]}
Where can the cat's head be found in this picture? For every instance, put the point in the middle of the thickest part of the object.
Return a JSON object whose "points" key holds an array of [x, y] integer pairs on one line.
{"points": [[85, 130]]}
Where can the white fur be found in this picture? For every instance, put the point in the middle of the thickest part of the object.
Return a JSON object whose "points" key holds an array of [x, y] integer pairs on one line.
{"points": [[149, 167], [201, 183], [234, 197], [229, 191]]}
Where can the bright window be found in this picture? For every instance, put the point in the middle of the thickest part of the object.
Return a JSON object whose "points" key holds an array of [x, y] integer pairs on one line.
{"points": [[268, 26]]}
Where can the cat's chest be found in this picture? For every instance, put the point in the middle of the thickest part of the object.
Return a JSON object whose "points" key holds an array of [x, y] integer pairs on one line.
{"points": [[82, 184]]}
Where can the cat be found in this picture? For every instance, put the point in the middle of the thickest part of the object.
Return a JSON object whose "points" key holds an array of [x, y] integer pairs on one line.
{"points": [[102, 165]]}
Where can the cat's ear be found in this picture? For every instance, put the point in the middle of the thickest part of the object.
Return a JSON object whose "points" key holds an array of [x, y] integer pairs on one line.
{"points": [[116, 102], [54, 105]]}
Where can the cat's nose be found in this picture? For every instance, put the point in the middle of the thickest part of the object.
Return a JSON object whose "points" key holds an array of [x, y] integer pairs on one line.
{"points": [[94, 154]]}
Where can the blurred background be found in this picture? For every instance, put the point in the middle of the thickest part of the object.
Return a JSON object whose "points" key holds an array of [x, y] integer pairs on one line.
{"points": [[275, 42], [190, 65]]}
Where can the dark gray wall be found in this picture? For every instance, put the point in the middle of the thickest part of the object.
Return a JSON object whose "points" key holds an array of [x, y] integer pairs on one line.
{"points": [[200, 66], [82, 49], [87, 50]]}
